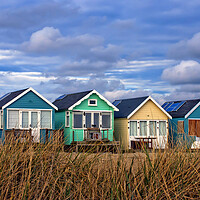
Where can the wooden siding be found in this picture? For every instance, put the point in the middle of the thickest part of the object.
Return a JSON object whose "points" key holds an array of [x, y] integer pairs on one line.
{"points": [[121, 132], [101, 104], [32, 101], [149, 111]]}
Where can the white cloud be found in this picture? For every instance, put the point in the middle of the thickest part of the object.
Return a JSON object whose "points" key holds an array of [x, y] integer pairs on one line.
{"points": [[125, 94], [50, 39], [183, 73], [186, 48]]}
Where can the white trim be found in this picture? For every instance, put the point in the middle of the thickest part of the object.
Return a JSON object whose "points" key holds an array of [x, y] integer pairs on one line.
{"points": [[1, 119], [29, 110], [67, 114], [92, 112], [192, 110], [89, 104], [88, 95], [25, 92], [147, 99]]}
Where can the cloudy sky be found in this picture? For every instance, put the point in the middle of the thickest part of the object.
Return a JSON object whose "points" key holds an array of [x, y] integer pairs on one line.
{"points": [[121, 48]]}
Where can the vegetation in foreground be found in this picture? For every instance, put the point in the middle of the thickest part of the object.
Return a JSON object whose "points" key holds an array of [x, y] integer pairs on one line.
{"points": [[30, 171]]}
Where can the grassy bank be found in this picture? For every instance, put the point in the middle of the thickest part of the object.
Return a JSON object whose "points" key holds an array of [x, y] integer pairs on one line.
{"points": [[29, 171]]}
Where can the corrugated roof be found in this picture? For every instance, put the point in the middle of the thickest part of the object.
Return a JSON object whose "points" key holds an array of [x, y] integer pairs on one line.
{"points": [[10, 97], [184, 109], [127, 106], [69, 100]]}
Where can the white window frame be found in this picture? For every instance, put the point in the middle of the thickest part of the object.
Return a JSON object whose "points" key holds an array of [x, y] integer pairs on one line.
{"points": [[67, 114], [92, 118], [83, 117], [110, 121], [92, 100], [29, 111], [148, 127], [1, 119]]}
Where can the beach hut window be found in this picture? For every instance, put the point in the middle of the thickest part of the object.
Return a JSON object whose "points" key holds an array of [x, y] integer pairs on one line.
{"points": [[46, 119], [162, 128], [78, 120], [13, 119]]}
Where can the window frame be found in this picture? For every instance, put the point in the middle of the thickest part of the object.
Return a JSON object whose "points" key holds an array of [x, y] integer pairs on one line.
{"points": [[1, 119], [110, 113], [29, 113], [89, 104], [81, 113], [148, 128], [67, 114]]}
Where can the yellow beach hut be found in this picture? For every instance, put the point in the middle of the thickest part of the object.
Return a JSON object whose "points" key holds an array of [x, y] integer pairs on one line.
{"points": [[141, 121]]}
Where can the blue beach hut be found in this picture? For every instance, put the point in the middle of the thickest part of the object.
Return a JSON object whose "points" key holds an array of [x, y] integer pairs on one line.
{"points": [[24, 110]]}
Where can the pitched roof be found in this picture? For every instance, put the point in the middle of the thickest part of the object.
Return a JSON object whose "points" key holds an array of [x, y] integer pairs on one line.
{"points": [[69, 100], [127, 106], [184, 109], [10, 96]]}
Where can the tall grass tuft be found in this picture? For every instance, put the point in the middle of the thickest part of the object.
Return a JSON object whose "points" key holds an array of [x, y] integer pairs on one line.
{"points": [[38, 171]]}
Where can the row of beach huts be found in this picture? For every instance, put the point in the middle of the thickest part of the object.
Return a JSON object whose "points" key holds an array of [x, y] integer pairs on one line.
{"points": [[88, 116]]}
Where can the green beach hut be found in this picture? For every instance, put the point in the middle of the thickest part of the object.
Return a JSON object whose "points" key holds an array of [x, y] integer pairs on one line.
{"points": [[85, 116]]}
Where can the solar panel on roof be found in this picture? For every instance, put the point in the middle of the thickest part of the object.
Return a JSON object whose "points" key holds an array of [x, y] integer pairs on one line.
{"points": [[5, 95], [174, 106], [179, 105], [167, 105], [61, 97], [117, 102]]}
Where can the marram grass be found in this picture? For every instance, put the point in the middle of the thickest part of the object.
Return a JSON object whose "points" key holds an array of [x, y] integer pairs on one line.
{"points": [[38, 171]]}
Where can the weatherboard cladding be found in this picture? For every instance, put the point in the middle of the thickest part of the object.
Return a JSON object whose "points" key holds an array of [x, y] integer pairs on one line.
{"points": [[10, 97], [184, 109], [69, 100], [127, 106]]}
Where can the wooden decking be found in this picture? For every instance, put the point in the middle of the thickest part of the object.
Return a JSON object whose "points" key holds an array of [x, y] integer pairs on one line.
{"points": [[95, 146]]}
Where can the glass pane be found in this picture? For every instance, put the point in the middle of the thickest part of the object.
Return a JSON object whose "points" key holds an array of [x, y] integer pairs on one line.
{"points": [[96, 120], [1, 116], [152, 128], [67, 119], [88, 120], [25, 120], [13, 119], [45, 119], [78, 120], [143, 128], [133, 128], [106, 120], [34, 119], [162, 128]]}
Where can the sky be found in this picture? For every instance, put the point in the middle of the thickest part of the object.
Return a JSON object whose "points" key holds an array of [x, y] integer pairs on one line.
{"points": [[121, 48]]}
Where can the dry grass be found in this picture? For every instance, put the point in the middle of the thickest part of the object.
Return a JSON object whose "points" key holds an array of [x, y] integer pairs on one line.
{"points": [[30, 171]]}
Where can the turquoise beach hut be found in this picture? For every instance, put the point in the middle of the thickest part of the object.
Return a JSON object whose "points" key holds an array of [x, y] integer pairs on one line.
{"points": [[26, 110]]}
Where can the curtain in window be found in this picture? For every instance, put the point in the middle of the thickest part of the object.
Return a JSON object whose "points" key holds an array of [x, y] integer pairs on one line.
{"points": [[13, 119], [25, 120], [88, 120], [143, 128], [45, 119], [162, 128], [34, 119], [78, 120], [96, 120], [133, 128], [106, 120], [152, 128]]}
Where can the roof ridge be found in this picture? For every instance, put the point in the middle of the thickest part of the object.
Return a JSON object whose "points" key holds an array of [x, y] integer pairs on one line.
{"points": [[132, 98]]}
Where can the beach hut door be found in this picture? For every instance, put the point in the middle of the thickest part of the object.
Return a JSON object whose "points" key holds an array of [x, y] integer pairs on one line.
{"points": [[35, 124]]}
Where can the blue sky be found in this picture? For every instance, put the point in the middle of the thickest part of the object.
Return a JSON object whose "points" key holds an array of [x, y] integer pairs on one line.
{"points": [[122, 49]]}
